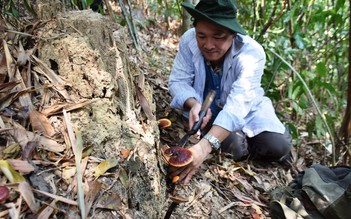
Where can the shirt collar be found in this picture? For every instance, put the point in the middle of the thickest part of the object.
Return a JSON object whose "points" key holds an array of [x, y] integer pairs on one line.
{"points": [[237, 45]]}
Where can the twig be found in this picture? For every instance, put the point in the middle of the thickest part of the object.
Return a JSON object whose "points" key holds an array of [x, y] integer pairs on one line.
{"points": [[47, 170], [197, 197], [4, 213], [220, 191], [37, 37], [80, 33], [133, 24], [130, 23], [231, 205], [59, 198]]}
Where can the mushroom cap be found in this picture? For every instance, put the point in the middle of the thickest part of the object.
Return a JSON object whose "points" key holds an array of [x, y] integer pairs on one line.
{"points": [[175, 179], [177, 156], [164, 123]]}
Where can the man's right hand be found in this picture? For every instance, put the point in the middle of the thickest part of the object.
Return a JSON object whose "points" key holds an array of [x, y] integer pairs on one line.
{"points": [[194, 116]]}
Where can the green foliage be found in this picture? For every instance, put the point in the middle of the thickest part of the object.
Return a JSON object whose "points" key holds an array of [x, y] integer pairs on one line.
{"points": [[312, 37], [166, 9], [11, 8], [83, 4]]}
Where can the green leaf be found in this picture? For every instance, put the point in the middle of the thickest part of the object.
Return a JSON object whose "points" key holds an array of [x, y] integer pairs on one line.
{"points": [[331, 121], [293, 130], [339, 4], [329, 88], [298, 109], [29, 7], [336, 19], [320, 131], [321, 69], [123, 177], [84, 4], [90, 2], [299, 41], [14, 12], [12, 175]]}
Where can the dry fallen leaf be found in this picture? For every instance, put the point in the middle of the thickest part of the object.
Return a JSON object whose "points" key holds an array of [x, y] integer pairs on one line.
{"points": [[40, 123], [23, 136], [68, 173], [22, 166], [256, 212], [125, 153], [110, 201], [22, 56], [55, 109], [94, 189], [47, 211], [104, 166], [27, 193], [144, 104], [3, 68]]}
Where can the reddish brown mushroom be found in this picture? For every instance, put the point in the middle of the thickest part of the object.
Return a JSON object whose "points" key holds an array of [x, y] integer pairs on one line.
{"points": [[164, 123], [177, 156], [4, 193]]}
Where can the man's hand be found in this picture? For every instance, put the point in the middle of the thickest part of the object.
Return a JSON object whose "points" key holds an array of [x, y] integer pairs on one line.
{"points": [[200, 152], [194, 116]]}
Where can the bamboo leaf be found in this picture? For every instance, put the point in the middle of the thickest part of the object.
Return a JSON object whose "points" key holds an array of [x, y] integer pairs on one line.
{"points": [[48, 210], [78, 149], [40, 123], [22, 166], [104, 166], [26, 191], [12, 175], [94, 189]]}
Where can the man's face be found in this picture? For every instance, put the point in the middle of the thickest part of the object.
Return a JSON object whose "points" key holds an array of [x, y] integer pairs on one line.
{"points": [[213, 40]]}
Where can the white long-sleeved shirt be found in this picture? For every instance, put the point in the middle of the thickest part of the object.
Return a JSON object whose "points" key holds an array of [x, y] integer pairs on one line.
{"points": [[244, 105]]}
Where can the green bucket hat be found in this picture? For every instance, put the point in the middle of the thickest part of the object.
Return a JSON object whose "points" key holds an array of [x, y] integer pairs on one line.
{"points": [[221, 12]]}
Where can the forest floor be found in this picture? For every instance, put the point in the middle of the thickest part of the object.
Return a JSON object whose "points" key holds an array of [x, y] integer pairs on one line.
{"points": [[221, 188]]}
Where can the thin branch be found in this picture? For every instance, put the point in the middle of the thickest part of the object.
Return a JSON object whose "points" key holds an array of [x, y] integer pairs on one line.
{"points": [[130, 24]]}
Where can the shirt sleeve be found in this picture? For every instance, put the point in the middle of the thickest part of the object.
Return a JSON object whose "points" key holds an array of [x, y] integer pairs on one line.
{"points": [[181, 80]]}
